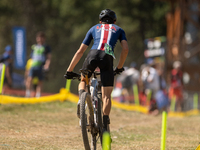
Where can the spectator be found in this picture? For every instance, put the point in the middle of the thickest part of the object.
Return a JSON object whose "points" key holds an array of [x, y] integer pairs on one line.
{"points": [[150, 79], [41, 58], [161, 96], [129, 78], [7, 59], [176, 84]]}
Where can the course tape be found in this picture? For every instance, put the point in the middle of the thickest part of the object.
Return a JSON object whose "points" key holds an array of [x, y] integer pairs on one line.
{"points": [[193, 112], [66, 95]]}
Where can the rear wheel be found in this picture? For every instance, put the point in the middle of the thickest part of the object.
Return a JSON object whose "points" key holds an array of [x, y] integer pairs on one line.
{"points": [[100, 114]]}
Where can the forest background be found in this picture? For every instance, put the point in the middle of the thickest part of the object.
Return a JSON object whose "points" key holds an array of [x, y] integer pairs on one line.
{"points": [[66, 22]]}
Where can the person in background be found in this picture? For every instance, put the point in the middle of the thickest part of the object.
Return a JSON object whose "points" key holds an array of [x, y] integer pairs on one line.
{"points": [[7, 59], [150, 78], [162, 99], [151, 84], [129, 78], [176, 84], [41, 58]]}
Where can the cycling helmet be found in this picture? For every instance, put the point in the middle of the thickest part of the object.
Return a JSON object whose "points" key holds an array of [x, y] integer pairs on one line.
{"points": [[107, 13]]}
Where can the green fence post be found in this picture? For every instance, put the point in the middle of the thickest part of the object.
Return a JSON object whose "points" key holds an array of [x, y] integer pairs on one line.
{"points": [[136, 96], [173, 103], [2, 77], [106, 141], [68, 84], [195, 101], [164, 129]]}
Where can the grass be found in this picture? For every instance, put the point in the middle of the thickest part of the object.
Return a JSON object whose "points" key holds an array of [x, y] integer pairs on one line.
{"points": [[55, 126]]}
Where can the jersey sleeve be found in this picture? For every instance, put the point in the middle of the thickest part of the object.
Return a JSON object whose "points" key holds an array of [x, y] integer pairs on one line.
{"points": [[122, 35], [88, 38], [47, 49]]}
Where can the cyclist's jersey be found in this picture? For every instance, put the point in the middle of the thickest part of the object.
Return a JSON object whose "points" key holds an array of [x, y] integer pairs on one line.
{"points": [[39, 55], [105, 37]]}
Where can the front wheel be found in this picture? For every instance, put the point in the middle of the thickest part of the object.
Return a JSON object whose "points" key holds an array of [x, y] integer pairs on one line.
{"points": [[87, 121]]}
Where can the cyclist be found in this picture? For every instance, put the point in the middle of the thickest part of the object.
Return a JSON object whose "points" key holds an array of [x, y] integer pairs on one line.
{"points": [[105, 35]]}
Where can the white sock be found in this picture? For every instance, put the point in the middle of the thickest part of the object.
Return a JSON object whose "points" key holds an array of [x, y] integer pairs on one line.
{"points": [[28, 93], [37, 94]]}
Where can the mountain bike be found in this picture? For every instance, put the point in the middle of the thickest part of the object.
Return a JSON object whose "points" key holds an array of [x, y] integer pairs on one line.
{"points": [[91, 111]]}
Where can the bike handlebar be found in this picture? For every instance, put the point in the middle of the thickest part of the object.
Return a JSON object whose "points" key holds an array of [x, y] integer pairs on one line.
{"points": [[73, 75]]}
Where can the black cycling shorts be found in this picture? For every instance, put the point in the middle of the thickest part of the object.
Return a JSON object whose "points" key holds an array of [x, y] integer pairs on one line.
{"points": [[98, 58]]}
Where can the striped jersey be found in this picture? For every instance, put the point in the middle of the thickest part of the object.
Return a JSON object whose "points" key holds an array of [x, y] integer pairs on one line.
{"points": [[104, 35]]}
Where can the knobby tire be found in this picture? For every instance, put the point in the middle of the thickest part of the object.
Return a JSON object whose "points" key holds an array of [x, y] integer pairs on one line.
{"points": [[100, 114], [87, 119]]}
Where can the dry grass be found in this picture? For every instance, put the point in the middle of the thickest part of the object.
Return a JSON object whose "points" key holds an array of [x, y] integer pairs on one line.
{"points": [[55, 126]]}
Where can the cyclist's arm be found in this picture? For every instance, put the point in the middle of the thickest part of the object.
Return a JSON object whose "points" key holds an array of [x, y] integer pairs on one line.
{"points": [[77, 57], [123, 54]]}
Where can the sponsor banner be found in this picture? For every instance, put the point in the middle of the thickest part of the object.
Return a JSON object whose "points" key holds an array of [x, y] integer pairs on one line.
{"points": [[19, 34], [154, 52], [155, 47]]}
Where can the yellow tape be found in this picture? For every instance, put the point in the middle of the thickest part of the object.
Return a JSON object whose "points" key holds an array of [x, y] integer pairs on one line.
{"points": [[198, 148], [131, 107], [184, 114], [25, 100], [66, 95]]}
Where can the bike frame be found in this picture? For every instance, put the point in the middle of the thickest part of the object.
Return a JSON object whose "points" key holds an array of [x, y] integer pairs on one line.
{"points": [[92, 90]]}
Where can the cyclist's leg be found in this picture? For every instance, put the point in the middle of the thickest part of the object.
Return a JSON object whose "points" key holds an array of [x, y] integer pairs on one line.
{"points": [[106, 98], [82, 84], [81, 89], [87, 66], [107, 79]]}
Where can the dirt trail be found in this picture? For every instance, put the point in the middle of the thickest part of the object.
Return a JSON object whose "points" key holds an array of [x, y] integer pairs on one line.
{"points": [[55, 126]]}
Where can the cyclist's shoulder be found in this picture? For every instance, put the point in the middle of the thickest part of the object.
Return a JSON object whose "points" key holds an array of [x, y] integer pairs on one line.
{"points": [[118, 28], [96, 26], [99, 25], [93, 28]]}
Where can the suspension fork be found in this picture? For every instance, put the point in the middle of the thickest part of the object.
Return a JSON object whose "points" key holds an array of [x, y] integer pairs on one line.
{"points": [[90, 104], [87, 83]]}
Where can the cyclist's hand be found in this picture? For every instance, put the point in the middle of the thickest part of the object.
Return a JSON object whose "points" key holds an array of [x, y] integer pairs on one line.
{"points": [[69, 75], [118, 71], [72, 75]]}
